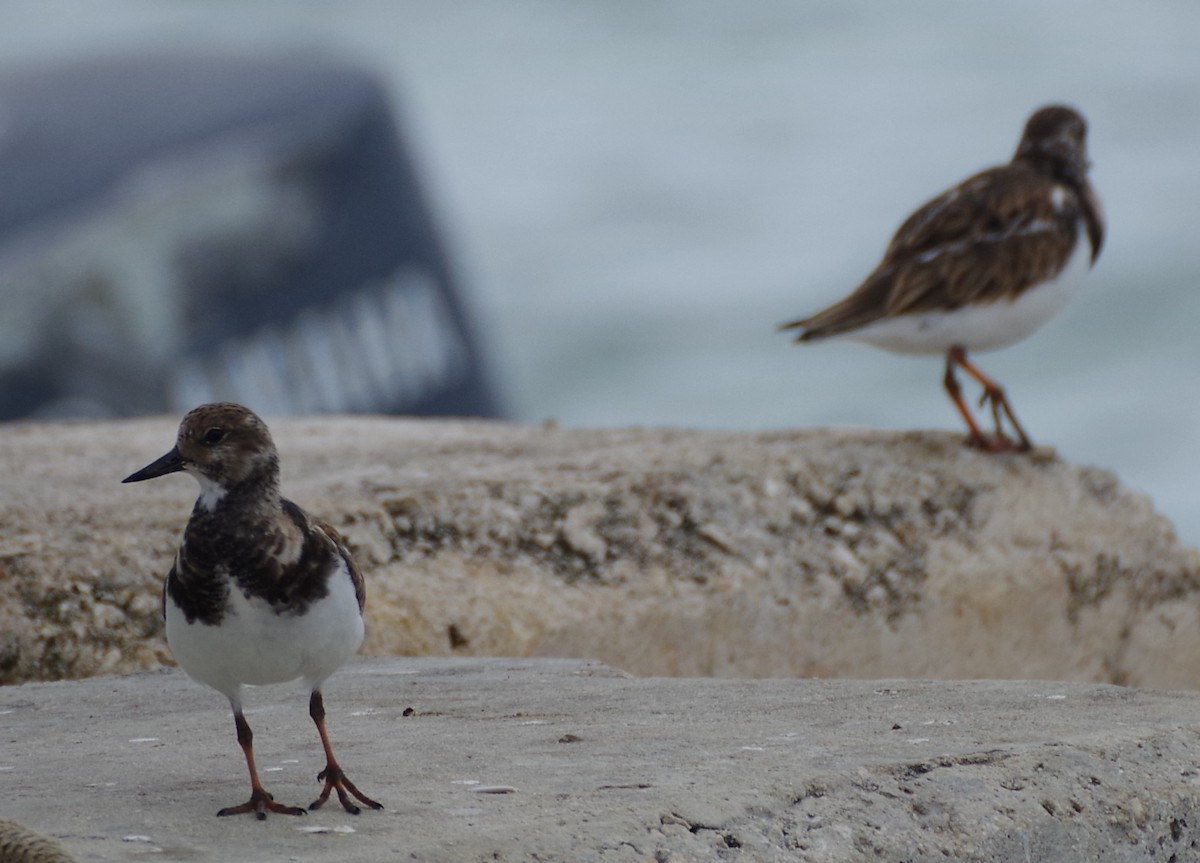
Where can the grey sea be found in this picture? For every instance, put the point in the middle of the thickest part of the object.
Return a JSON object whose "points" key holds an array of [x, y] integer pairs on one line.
{"points": [[636, 194]]}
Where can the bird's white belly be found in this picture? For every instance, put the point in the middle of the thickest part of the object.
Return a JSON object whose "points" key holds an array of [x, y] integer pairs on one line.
{"points": [[981, 328], [252, 645]]}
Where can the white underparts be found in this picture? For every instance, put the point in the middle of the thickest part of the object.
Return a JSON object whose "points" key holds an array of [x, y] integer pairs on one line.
{"points": [[255, 645]]}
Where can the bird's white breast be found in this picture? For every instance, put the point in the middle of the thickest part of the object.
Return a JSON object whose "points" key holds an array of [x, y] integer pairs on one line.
{"points": [[253, 645]]}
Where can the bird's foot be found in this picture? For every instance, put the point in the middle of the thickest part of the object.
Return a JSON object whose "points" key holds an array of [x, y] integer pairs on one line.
{"points": [[993, 396], [335, 780], [260, 803], [998, 443]]}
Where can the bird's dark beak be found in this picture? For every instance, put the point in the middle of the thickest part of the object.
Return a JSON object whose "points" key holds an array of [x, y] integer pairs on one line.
{"points": [[172, 462]]}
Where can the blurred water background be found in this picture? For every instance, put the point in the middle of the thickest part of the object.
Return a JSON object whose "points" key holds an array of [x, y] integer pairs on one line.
{"points": [[635, 193]]}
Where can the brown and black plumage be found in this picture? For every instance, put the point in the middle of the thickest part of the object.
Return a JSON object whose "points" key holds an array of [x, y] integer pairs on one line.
{"points": [[982, 265]]}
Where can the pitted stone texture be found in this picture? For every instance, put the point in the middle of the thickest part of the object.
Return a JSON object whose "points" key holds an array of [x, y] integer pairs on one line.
{"points": [[832, 553]]}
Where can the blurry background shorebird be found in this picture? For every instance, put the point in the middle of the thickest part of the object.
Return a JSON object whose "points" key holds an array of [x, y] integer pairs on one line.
{"points": [[982, 266]]}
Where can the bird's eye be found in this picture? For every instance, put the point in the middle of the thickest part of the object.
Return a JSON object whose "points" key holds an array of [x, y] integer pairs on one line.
{"points": [[213, 436]]}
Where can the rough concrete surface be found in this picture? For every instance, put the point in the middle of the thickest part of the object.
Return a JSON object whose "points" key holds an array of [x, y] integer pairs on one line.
{"points": [[829, 553], [587, 764]]}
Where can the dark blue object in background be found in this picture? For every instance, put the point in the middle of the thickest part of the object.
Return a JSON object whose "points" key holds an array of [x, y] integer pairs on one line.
{"points": [[182, 229]]}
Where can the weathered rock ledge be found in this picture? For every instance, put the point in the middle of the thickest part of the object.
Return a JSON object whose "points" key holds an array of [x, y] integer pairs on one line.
{"points": [[827, 553]]}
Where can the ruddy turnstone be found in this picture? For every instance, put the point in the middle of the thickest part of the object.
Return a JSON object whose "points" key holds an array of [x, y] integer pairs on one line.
{"points": [[982, 265], [260, 592]]}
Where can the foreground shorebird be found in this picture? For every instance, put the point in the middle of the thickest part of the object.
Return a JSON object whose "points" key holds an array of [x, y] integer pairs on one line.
{"points": [[982, 265], [260, 592]]}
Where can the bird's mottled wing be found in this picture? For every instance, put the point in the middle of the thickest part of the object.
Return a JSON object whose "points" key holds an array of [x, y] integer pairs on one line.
{"points": [[991, 237], [340, 547]]}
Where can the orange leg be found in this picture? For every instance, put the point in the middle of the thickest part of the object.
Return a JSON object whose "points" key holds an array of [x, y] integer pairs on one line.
{"points": [[333, 776], [993, 395], [260, 801]]}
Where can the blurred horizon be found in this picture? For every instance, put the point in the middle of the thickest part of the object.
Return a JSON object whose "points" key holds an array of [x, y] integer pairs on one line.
{"points": [[633, 196]]}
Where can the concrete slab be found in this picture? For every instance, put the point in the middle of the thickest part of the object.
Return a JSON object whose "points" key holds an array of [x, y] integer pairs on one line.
{"points": [[496, 759]]}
